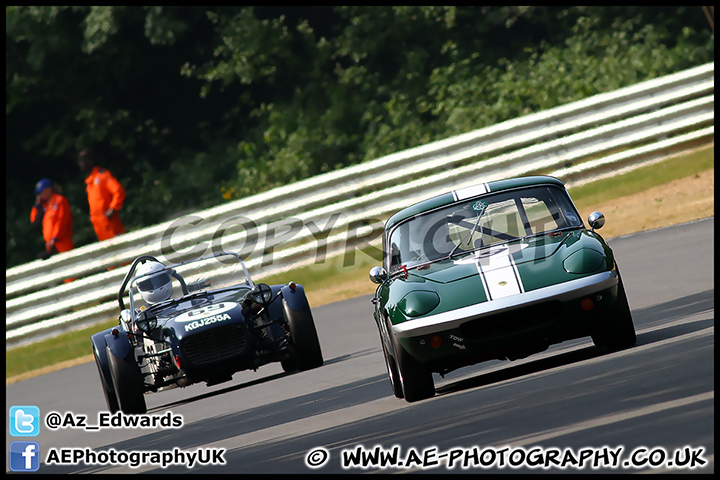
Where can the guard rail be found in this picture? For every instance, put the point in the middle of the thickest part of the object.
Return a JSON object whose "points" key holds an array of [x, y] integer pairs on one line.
{"points": [[343, 210]]}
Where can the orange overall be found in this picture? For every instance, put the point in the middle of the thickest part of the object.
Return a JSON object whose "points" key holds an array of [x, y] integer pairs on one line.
{"points": [[56, 222], [104, 192]]}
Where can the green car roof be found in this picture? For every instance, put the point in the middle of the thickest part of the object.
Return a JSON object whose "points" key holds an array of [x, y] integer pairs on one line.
{"points": [[479, 189]]}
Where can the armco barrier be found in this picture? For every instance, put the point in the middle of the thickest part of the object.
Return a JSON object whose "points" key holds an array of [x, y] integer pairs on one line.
{"points": [[285, 226]]}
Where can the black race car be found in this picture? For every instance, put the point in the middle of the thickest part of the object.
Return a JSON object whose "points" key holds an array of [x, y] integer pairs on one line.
{"points": [[174, 333]]}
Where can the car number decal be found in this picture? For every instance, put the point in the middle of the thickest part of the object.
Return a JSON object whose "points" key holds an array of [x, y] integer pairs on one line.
{"points": [[206, 311]]}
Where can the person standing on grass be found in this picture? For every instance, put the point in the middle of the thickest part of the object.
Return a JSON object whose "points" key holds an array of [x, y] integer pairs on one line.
{"points": [[52, 212], [105, 196]]}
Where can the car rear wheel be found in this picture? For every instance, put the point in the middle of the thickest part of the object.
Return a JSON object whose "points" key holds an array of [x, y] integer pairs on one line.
{"points": [[128, 383], [110, 397], [417, 382], [617, 331], [305, 352]]}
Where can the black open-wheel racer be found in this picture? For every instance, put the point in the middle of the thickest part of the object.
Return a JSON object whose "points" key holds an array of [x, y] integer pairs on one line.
{"points": [[179, 333]]}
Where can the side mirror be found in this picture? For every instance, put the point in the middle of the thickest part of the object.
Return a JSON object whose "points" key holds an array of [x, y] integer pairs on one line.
{"points": [[596, 220], [126, 320], [378, 275]]}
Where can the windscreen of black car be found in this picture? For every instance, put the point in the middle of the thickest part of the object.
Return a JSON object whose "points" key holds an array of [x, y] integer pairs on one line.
{"points": [[192, 278], [479, 222]]}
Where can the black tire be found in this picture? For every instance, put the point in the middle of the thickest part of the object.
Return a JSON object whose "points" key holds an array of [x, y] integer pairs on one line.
{"points": [[617, 331], [288, 365], [417, 382], [110, 398], [128, 383], [392, 370], [305, 352]]}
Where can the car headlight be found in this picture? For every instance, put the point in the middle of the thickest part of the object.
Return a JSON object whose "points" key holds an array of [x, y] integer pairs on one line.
{"points": [[418, 303], [261, 294], [584, 260], [146, 321]]}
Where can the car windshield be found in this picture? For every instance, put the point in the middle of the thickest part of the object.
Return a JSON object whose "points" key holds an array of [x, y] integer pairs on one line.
{"points": [[479, 222], [189, 279]]}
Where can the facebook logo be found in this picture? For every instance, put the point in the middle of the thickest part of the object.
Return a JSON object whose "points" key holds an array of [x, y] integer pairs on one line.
{"points": [[24, 421], [24, 456]]}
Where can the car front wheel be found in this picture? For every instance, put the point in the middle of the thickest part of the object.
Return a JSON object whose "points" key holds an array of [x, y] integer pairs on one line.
{"points": [[617, 331], [110, 397], [305, 352], [417, 382], [128, 382], [392, 370]]}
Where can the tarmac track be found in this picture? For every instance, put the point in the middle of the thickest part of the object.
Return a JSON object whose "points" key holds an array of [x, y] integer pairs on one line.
{"points": [[655, 400]]}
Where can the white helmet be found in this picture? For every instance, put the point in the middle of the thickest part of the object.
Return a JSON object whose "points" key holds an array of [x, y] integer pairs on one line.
{"points": [[154, 288]]}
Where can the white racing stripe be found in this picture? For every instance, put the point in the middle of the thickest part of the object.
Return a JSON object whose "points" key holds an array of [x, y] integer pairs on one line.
{"points": [[499, 274], [469, 192], [484, 282]]}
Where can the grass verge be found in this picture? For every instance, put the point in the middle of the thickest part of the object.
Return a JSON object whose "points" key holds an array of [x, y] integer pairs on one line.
{"points": [[333, 281]]}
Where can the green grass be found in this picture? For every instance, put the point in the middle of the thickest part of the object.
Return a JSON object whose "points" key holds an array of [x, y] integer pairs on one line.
{"points": [[644, 178], [319, 277], [68, 346]]}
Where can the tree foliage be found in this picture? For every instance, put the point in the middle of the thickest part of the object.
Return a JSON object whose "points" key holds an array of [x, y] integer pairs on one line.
{"points": [[195, 106]]}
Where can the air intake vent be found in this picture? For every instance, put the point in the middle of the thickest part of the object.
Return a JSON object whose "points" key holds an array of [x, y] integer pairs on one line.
{"points": [[215, 344]]}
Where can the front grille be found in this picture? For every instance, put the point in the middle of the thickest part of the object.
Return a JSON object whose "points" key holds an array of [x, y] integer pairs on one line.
{"points": [[215, 344], [513, 321]]}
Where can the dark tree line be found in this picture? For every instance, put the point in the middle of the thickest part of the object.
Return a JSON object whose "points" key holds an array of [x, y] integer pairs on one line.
{"points": [[195, 106]]}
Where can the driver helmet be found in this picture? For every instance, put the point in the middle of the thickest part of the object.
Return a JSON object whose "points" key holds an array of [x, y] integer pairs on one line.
{"points": [[154, 288]]}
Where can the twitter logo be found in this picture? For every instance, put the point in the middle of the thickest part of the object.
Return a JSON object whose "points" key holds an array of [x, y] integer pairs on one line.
{"points": [[24, 421]]}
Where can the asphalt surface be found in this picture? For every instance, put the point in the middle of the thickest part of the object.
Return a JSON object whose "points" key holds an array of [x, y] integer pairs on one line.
{"points": [[573, 408]]}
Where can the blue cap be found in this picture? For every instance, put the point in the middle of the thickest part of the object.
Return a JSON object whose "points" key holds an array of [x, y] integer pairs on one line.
{"points": [[42, 185]]}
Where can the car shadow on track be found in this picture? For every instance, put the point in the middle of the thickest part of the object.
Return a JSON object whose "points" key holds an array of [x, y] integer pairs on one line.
{"points": [[222, 391], [516, 371], [648, 316], [258, 381]]}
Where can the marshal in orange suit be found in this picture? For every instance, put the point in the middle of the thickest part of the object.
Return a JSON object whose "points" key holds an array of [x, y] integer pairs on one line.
{"points": [[105, 196], [52, 212]]}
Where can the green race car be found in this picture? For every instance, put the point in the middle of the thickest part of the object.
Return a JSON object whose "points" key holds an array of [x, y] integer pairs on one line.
{"points": [[500, 270]]}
